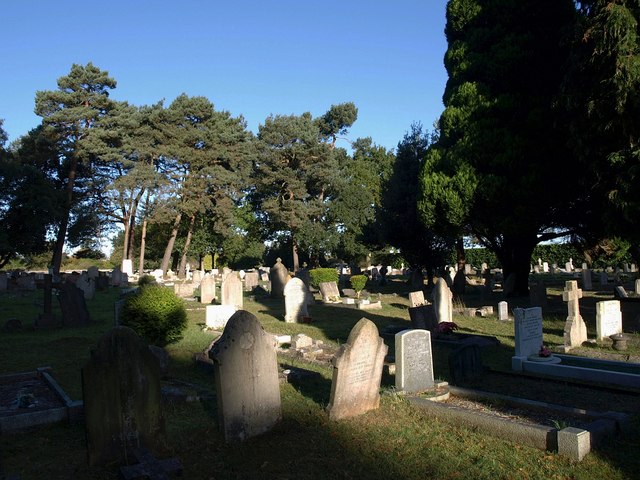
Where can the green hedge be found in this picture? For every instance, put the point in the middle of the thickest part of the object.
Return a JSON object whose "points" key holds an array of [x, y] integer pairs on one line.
{"points": [[156, 314], [320, 275], [358, 282]]}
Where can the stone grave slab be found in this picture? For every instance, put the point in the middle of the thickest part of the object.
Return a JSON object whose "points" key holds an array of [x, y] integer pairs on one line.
{"points": [[122, 398], [246, 375], [608, 318], [414, 362], [357, 372], [295, 301]]}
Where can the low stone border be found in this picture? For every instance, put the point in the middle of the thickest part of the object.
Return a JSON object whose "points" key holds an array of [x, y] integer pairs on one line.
{"points": [[572, 442]]}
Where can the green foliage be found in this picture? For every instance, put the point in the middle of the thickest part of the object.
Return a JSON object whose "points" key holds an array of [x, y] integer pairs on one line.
{"points": [[321, 275], [156, 314], [358, 282], [146, 280]]}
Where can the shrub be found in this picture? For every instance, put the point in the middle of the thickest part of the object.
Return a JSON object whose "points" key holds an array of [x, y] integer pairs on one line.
{"points": [[156, 314], [146, 280], [358, 282], [320, 275]]}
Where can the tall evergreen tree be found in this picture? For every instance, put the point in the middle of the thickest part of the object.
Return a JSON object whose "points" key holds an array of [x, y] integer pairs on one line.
{"points": [[500, 166]]}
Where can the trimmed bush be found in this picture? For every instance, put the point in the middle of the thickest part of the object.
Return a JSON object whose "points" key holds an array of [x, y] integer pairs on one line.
{"points": [[321, 275], [358, 282], [146, 280], [156, 314]]}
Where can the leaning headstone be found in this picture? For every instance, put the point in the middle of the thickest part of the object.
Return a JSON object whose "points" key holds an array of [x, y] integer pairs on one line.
{"points": [[503, 311], [295, 301], [246, 374], [528, 334], [443, 301], [279, 275], [620, 292], [414, 362], [73, 305], [357, 372], [416, 299], [575, 330], [207, 289], [122, 399], [608, 318], [329, 292], [231, 291], [587, 284]]}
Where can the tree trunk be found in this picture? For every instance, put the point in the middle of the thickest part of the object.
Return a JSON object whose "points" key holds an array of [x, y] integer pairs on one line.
{"points": [[125, 243], [132, 230], [143, 238], [515, 257], [461, 258], [56, 261], [182, 271], [172, 240]]}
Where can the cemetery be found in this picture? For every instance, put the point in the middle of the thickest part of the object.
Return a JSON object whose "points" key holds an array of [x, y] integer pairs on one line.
{"points": [[324, 382]]}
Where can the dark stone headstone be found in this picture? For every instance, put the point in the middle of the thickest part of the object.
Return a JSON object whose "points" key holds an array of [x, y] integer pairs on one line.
{"points": [[73, 305], [423, 317], [465, 362], [122, 398]]}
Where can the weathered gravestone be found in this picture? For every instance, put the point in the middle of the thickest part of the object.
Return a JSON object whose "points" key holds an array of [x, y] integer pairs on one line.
{"points": [[503, 311], [443, 302], [73, 305], [423, 317], [637, 286], [357, 372], [414, 362], [304, 275], [575, 330], [587, 283], [246, 375], [47, 319], [251, 281], [217, 316], [465, 362], [538, 294], [416, 298], [184, 289], [295, 301], [608, 318], [4, 282], [87, 285], [207, 289], [329, 292], [278, 275], [416, 280], [231, 291], [122, 399], [196, 276]]}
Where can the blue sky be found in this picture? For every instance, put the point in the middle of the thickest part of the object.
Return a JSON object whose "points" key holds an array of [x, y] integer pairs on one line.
{"points": [[252, 58]]}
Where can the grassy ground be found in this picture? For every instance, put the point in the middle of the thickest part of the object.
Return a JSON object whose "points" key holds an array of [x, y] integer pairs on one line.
{"points": [[396, 441]]}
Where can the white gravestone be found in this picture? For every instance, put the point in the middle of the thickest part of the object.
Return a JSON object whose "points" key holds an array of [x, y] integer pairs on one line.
{"points": [[528, 334], [503, 311], [357, 372], [295, 301], [443, 302], [246, 375], [608, 318], [414, 362], [127, 266], [575, 330], [416, 299], [231, 291], [217, 316], [207, 289], [545, 267]]}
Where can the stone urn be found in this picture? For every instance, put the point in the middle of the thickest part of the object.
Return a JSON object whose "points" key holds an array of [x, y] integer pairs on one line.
{"points": [[619, 341]]}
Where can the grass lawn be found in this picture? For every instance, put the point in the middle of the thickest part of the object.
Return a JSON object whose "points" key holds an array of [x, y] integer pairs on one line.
{"points": [[397, 441]]}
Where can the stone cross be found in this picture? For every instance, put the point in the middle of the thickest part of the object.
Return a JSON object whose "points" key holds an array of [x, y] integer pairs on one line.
{"points": [[575, 330]]}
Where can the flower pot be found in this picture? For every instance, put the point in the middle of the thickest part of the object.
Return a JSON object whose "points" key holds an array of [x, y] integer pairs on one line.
{"points": [[619, 341]]}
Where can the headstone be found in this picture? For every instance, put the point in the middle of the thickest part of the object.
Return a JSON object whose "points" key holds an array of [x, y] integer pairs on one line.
{"points": [[304, 275], [264, 277], [416, 280], [357, 372], [295, 301], [459, 282], [423, 317], [587, 284], [73, 305], [503, 311], [528, 331], [416, 299], [465, 362], [184, 290], [538, 294], [329, 292], [620, 292], [604, 278], [484, 267], [196, 276], [568, 267], [575, 330], [231, 291], [545, 267], [414, 362], [637, 286], [47, 319], [4, 282], [217, 316], [608, 318], [87, 285], [251, 281], [246, 375], [127, 266], [207, 289], [122, 399], [279, 275], [93, 272], [116, 275], [443, 301]]}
